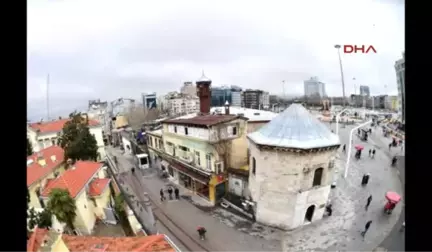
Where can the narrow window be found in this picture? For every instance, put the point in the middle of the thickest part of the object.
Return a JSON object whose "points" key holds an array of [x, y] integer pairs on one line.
{"points": [[186, 131], [175, 129], [317, 177], [253, 166], [234, 131]]}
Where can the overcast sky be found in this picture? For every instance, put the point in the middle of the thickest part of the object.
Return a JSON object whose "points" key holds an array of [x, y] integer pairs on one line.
{"points": [[110, 49]]}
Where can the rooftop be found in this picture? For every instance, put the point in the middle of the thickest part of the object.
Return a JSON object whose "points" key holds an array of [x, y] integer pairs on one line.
{"points": [[202, 120], [55, 126], [254, 115], [156, 132], [107, 244], [295, 128], [98, 186], [52, 157], [74, 179]]}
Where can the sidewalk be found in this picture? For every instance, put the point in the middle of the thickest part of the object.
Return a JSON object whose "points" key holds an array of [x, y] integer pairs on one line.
{"points": [[188, 217]]}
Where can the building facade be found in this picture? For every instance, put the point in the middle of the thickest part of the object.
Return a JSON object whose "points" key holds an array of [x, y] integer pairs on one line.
{"points": [[400, 78], [181, 105], [236, 97], [188, 89], [45, 134], [314, 87], [220, 95], [290, 176], [255, 99], [364, 91], [149, 101]]}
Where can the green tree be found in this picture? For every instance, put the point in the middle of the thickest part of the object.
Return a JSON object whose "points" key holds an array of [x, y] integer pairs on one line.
{"points": [[32, 218], [76, 140], [62, 206], [29, 148], [44, 219]]}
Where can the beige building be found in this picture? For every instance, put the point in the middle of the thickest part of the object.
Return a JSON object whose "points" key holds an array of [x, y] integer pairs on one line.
{"points": [[291, 168]]}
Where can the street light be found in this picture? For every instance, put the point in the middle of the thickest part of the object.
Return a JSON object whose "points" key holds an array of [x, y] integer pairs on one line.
{"points": [[337, 120], [342, 76], [350, 146]]}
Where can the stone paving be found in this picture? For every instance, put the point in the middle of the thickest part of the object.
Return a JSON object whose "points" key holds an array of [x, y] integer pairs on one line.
{"points": [[339, 232]]}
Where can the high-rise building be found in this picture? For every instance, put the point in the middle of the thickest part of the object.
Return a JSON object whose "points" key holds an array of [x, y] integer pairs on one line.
{"points": [[255, 99], [400, 78], [236, 96], [220, 95], [188, 88], [314, 87], [149, 100], [364, 91]]}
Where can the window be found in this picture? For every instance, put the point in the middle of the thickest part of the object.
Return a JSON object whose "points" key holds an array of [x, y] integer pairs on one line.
{"points": [[234, 131], [208, 161], [175, 129], [149, 141], [248, 156], [317, 177], [253, 166], [219, 167], [197, 156], [186, 131], [53, 141], [183, 148]]}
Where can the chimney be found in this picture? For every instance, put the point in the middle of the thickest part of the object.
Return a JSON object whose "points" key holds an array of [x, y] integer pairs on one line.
{"points": [[53, 158], [227, 108], [204, 94]]}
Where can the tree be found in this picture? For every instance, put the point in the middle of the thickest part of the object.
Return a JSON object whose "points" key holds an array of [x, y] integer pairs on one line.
{"points": [[76, 140], [137, 115], [29, 148], [63, 207], [44, 219], [32, 218]]}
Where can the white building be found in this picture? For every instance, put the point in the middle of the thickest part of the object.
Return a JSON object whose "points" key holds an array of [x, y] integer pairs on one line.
{"points": [[314, 87], [291, 168], [400, 77], [45, 134], [99, 111], [183, 105], [188, 89], [265, 100], [236, 96]]}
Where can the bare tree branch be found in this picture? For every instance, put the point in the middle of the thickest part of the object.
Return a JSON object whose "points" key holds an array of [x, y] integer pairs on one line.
{"points": [[137, 115]]}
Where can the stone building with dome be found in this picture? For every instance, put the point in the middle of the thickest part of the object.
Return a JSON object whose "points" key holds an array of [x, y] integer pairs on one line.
{"points": [[291, 168]]}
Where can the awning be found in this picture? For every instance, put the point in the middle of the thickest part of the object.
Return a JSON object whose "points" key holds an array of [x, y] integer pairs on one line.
{"points": [[164, 163], [194, 175]]}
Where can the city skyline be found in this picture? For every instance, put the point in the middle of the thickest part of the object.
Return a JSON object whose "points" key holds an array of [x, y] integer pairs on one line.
{"points": [[100, 57]]}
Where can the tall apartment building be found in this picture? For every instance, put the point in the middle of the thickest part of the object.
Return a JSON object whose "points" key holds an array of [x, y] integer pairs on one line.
{"points": [[236, 96], [182, 104], [255, 99], [220, 95], [364, 91], [314, 87], [400, 78], [188, 88]]}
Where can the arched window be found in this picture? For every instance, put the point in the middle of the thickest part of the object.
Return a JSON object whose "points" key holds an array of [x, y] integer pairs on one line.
{"points": [[253, 165], [318, 177]]}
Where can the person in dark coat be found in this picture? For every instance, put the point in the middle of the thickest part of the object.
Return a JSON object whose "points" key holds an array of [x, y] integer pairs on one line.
{"points": [[162, 195], [394, 160], [329, 209], [170, 191], [344, 148], [367, 226], [369, 200], [133, 169], [373, 153], [370, 152], [201, 232], [390, 145], [177, 193], [365, 179]]}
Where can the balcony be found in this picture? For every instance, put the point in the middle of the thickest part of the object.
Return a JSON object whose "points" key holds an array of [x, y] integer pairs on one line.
{"points": [[185, 156]]}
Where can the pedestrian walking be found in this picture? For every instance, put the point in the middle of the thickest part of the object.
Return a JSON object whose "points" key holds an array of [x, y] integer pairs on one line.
{"points": [[365, 179], [369, 200], [201, 232], [366, 228], [133, 169], [115, 160], [370, 152], [170, 191], [329, 209], [390, 145], [177, 193], [373, 153], [162, 195], [344, 148], [402, 228]]}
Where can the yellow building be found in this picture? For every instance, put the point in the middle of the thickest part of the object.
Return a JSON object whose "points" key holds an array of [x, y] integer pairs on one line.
{"points": [[86, 183], [197, 151], [41, 166], [48, 240]]}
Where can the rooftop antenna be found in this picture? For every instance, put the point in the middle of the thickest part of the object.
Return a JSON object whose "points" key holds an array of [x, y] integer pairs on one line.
{"points": [[47, 97]]}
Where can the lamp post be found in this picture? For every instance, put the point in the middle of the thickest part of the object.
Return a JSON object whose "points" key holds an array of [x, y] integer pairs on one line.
{"points": [[342, 76], [350, 146], [337, 120]]}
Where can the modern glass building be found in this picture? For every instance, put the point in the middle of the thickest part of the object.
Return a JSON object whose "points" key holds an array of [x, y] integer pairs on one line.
{"points": [[219, 95]]}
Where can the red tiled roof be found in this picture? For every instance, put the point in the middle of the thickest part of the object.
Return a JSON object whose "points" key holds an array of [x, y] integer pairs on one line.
{"points": [[35, 171], [36, 239], [55, 126], [74, 179], [155, 243], [203, 120], [98, 186]]}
